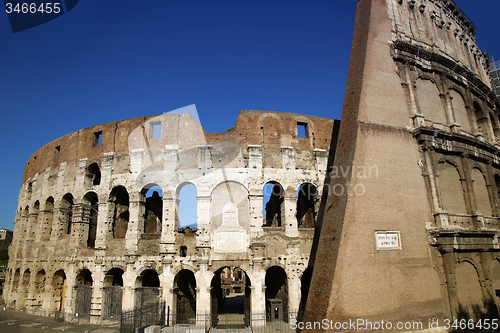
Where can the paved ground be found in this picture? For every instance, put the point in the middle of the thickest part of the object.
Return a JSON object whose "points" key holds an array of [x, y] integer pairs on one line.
{"points": [[20, 322]]}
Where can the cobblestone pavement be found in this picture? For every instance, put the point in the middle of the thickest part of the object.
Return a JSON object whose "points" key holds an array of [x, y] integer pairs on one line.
{"points": [[20, 322]]}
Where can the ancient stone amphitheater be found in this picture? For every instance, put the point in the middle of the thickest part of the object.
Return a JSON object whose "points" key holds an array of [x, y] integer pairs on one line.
{"points": [[97, 228]]}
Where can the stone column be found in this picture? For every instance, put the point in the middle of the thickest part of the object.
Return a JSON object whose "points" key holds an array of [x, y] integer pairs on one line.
{"points": [[203, 280], [69, 292], [136, 222], [256, 212], [95, 305], [203, 220], [258, 296], [169, 223], [129, 277], [289, 216], [103, 224]]}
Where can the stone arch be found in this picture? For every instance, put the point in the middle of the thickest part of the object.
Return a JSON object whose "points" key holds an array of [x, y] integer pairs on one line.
{"points": [[230, 192], [24, 286], [48, 214], [66, 213], [495, 280], [147, 287], [273, 196], [152, 212], [83, 293], [112, 294], [92, 175], [481, 193], [185, 296], [58, 291], [35, 221], [452, 195], [481, 120], [429, 101], [469, 292], [90, 217], [460, 110], [120, 204], [39, 289], [237, 294], [494, 124], [308, 200], [276, 293], [15, 284], [187, 207]]}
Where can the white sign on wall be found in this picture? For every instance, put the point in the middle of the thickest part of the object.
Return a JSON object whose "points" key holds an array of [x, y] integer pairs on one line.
{"points": [[388, 240]]}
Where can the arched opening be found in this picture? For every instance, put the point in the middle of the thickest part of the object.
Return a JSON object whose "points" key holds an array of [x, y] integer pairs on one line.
{"points": [[15, 285], [90, 215], [39, 290], [495, 281], [119, 201], [185, 297], [147, 289], [494, 124], [92, 175], [273, 196], [230, 298], [187, 213], [452, 195], [469, 293], [24, 287], [460, 111], [307, 205], [481, 194], [276, 294], [112, 294], [24, 224], [59, 291], [34, 223], [83, 294], [48, 214], [481, 120], [66, 209], [153, 209]]}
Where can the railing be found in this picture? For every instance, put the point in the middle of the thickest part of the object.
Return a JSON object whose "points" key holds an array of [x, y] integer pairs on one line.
{"points": [[138, 320]]}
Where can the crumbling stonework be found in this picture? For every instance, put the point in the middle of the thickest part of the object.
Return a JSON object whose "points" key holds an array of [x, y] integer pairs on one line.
{"points": [[88, 241], [420, 243]]}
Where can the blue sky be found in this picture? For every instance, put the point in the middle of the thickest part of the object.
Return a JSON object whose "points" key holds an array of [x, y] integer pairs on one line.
{"points": [[110, 60]]}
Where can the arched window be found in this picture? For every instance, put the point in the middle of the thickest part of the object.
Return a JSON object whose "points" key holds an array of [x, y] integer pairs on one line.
{"points": [[119, 201], [469, 293], [460, 111], [48, 213], [481, 120], [152, 194], [450, 188], [481, 194], [429, 101], [66, 209], [307, 199], [92, 175], [34, 223], [187, 207], [272, 201], [90, 213]]}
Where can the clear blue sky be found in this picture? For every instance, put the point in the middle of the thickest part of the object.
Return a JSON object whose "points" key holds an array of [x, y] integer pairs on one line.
{"points": [[116, 59]]}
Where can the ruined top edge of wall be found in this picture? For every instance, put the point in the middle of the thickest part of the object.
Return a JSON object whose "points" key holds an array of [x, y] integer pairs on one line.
{"points": [[123, 136]]}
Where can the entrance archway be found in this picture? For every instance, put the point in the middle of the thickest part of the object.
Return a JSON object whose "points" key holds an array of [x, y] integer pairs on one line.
{"points": [[185, 297], [112, 294], [230, 298], [276, 294], [147, 289], [83, 294]]}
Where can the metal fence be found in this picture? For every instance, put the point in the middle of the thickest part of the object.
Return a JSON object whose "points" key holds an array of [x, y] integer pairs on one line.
{"points": [[136, 320], [139, 319], [111, 303]]}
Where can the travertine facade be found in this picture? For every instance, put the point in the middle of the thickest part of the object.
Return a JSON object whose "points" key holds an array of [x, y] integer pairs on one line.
{"points": [[88, 240], [420, 242]]}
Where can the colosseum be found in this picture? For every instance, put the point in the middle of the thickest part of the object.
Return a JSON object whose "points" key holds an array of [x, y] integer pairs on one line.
{"points": [[391, 216], [97, 230]]}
